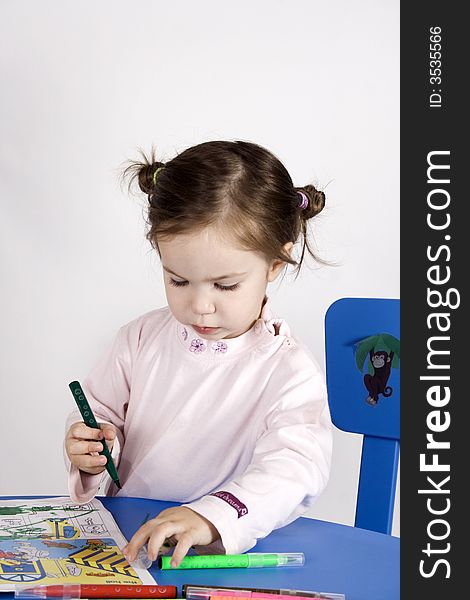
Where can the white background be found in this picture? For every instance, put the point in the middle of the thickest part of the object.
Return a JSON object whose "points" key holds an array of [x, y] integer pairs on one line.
{"points": [[84, 85]]}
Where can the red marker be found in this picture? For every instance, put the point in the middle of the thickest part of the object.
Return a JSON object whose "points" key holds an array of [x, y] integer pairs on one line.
{"points": [[96, 591]]}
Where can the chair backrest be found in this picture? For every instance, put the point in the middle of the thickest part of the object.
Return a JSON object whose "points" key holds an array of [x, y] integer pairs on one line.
{"points": [[362, 373]]}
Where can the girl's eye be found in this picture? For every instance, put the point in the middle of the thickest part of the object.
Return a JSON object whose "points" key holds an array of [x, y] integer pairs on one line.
{"points": [[227, 288], [178, 283], [224, 288]]}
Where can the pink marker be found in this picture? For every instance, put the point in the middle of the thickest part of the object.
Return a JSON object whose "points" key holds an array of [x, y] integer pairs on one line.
{"points": [[207, 593]]}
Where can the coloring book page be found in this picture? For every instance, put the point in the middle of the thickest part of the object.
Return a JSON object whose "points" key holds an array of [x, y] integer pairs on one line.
{"points": [[52, 541]]}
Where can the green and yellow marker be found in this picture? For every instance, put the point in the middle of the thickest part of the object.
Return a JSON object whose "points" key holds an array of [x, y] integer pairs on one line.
{"points": [[233, 561]]}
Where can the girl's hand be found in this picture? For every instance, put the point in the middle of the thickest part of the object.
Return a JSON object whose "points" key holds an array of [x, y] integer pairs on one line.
{"points": [[182, 524], [83, 445]]}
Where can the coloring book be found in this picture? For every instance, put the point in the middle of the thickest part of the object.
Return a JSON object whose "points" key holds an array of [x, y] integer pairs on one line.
{"points": [[53, 541]]}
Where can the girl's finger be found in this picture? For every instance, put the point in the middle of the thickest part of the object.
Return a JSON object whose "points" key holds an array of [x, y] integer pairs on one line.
{"points": [[86, 461], [109, 432], [158, 537], [136, 542], [80, 431], [84, 447], [184, 544]]}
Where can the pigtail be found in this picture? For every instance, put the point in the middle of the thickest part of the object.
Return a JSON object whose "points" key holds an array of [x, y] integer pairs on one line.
{"points": [[144, 171], [148, 176], [310, 203], [315, 204]]}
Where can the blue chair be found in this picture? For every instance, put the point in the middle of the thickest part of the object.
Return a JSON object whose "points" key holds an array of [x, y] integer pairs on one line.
{"points": [[362, 374]]}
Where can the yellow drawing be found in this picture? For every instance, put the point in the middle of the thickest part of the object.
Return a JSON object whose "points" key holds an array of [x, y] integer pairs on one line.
{"points": [[56, 542], [61, 529], [100, 560]]}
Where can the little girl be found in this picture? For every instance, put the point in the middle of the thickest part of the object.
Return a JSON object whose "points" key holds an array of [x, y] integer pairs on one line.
{"points": [[211, 402]]}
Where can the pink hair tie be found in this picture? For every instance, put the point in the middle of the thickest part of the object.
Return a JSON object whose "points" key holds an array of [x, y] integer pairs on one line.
{"points": [[304, 202]]}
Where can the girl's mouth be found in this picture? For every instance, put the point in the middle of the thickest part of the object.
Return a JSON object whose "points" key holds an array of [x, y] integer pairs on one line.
{"points": [[205, 330]]}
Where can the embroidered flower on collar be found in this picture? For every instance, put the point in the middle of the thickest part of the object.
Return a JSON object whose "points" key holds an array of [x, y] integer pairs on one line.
{"points": [[219, 347], [197, 345], [222, 348]]}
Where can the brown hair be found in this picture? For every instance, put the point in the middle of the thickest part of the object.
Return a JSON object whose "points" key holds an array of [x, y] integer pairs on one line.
{"points": [[238, 186]]}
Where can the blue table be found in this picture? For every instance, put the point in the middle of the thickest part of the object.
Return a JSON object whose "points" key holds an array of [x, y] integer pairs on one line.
{"points": [[361, 564]]}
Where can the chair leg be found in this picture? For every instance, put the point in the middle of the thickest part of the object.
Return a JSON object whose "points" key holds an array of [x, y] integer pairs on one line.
{"points": [[377, 482]]}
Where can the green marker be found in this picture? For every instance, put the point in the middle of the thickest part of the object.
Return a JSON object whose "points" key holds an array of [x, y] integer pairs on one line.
{"points": [[233, 561], [89, 419]]}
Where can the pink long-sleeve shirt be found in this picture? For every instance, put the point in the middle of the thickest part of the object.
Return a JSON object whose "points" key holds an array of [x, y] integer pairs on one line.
{"points": [[238, 429]]}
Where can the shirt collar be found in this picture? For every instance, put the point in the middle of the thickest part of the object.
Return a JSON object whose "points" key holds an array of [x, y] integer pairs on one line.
{"points": [[264, 329]]}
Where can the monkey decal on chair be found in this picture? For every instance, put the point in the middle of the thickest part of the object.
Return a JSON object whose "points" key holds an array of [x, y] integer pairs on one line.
{"points": [[383, 351], [377, 383]]}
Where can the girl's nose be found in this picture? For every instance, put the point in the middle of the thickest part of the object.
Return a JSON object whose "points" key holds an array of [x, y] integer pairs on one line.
{"points": [[202, 304]]}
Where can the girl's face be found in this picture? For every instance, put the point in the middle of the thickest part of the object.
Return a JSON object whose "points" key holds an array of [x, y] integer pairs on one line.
{"points": [[212, 284]]}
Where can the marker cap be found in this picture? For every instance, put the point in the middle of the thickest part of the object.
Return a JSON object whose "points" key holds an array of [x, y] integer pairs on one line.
{"points": [[68, 591], [280, 559], [142, 560]]}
